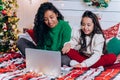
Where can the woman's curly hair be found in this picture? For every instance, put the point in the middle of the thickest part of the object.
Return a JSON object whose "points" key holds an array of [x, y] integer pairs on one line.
{"points": [[40, 28]]}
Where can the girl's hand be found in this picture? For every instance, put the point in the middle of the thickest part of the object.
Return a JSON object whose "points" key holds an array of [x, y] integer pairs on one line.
{"points": [[77, 66], [66, 48]]}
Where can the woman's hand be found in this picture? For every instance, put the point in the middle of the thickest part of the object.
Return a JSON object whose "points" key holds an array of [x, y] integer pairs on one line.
{"points": [[66, 48]]}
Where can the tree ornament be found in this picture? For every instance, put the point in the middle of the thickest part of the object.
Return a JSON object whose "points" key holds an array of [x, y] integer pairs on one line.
{"points": [[1, 7], [4, 12], [4, 27]]}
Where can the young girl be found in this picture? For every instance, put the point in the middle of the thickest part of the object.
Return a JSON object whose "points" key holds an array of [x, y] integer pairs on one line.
{"points": [[89, 43]]}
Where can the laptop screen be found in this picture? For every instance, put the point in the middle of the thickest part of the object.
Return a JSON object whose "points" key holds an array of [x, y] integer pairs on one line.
{"points": [[43, 61]]}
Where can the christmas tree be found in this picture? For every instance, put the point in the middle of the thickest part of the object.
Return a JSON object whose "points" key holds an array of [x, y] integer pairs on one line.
{"points": [[8, 25]]}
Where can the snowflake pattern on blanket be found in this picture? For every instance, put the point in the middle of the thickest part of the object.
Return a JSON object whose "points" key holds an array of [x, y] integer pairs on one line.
{"points": [[12, 67]]}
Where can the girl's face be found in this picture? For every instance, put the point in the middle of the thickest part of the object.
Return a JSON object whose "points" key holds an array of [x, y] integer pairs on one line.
{"points": [[87, 25], [50, 18]]}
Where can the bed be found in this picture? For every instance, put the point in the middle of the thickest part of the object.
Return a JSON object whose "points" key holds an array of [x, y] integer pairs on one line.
{"points": [[12, 67]]}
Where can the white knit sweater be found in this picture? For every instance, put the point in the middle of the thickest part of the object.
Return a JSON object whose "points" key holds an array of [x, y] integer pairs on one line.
{"points": [[96, 47]]}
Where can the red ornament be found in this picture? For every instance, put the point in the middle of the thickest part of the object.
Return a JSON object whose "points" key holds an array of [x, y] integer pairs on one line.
{"points": [[5, 28], [4, 12]]}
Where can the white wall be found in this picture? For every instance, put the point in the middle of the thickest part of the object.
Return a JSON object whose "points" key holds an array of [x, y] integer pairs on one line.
{"points": [[73, 10], [26, 12]]}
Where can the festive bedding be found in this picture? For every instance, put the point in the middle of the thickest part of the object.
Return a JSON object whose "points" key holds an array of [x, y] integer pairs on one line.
{"points": [[12, 67]]}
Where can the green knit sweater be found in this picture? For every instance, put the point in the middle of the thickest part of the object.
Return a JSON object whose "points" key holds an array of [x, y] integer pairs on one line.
{"points": [[57, 36]]}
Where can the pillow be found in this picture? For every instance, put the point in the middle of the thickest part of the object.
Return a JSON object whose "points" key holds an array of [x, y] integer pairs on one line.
{"points": [[112, 31], [118, 59], [31, 33], [113, 46]]}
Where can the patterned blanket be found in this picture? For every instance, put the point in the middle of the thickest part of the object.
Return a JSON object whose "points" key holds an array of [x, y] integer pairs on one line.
{"points": [[12, 67]]}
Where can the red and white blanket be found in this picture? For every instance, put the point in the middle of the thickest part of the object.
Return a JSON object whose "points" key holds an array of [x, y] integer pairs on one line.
{"points": [[12, 67]]}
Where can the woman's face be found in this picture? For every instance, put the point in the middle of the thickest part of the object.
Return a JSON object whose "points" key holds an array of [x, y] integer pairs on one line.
{"points": [[87, 25], [50, 18]]}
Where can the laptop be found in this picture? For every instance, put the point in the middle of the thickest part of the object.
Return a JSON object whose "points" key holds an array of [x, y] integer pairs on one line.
{"points": [[43, 61]]}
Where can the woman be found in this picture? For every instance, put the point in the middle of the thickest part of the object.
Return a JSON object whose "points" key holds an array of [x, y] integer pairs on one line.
{"points": [[89, 43], [51, 31]]}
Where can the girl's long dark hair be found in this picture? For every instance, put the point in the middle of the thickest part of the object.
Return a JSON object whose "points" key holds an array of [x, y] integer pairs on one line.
{"points": [[97, 30], [40, 28]]}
